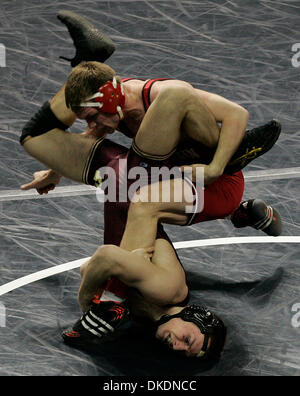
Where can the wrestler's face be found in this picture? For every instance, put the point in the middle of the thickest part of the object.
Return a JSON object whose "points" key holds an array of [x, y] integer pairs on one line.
{"points": [[181, 336], [99, 123]]}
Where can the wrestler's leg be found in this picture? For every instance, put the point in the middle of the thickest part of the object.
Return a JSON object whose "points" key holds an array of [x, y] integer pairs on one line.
{"points": [[173, 113], [137, 270], [144, 214], [64, 152]]}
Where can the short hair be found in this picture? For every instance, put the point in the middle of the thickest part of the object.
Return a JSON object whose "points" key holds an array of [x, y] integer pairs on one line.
{"points": [[85, 79]]}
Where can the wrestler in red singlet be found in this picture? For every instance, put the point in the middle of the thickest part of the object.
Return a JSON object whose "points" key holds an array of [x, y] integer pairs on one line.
{"points": [[221, 198]]}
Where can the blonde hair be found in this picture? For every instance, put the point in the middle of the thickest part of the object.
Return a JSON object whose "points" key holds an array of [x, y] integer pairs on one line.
{"points": [[85, 79]]}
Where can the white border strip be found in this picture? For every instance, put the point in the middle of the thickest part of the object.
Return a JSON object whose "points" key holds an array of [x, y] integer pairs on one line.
{"points": [[25, 280], [285, 173], [236, 240], [67, 191], [18, 195], [57, 269]]}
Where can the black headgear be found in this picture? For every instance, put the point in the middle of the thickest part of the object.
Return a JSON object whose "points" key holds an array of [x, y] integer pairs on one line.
{"points": [[209, 324]]}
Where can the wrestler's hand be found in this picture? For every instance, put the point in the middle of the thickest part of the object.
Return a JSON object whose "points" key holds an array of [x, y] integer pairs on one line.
{"points": [[43, 181], [147, 253], [211, 173]]}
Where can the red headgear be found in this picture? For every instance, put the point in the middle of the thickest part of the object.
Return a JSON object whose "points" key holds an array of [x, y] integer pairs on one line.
{"points": [[110, 98]]}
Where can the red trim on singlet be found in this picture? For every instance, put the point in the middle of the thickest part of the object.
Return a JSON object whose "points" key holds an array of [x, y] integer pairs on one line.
{"points": [[131, 78], [146, 89]]}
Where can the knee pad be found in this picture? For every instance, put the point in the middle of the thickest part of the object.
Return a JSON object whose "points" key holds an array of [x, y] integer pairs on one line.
{"points": [[43, 121]]}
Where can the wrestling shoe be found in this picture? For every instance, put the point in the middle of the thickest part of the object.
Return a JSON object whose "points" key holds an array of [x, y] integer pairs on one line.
{"points": [[102, 322], [256, 142], [257, 214], [90, 43]]}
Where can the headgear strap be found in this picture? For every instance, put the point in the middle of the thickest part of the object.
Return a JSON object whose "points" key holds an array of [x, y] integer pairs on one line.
{"points": [[208, 323], [109, 98]]}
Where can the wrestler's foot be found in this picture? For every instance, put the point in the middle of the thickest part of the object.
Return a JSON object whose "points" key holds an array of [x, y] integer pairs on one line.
{"points": [[256, 142], [102, 322], [257, 214], [90, 43]]}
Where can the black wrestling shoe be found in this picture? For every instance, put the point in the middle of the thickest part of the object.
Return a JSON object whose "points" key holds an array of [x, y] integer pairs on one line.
{"points": [[90, 43], [257, 214], [256, 142], [102, 322]]}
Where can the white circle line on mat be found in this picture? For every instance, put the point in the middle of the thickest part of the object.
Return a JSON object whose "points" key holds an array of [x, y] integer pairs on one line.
{"points": [[57, 269]]}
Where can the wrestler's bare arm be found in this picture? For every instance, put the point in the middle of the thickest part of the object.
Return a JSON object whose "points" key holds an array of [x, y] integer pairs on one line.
{"points": [[233, 119], [176, 110], [179, 108], [160, 278]]}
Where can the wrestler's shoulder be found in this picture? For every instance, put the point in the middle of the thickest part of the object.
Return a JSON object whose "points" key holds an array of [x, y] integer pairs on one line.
{"points": [[161, 85]]}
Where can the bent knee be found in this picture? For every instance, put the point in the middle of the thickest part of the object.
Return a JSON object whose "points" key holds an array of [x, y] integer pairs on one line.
{"points": [[105, 252], [142, 208], [83, 269]]}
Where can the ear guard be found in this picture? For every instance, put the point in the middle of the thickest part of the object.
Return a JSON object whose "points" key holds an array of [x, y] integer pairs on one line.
{"points": [[109, 98], [209, 324]]}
